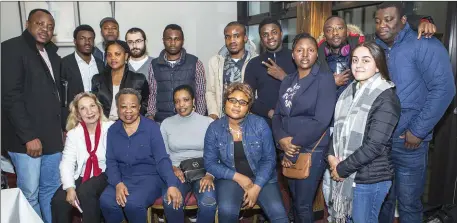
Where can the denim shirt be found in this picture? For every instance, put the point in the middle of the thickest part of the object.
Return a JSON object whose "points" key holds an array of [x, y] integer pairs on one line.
{"points": [[257, 144]]}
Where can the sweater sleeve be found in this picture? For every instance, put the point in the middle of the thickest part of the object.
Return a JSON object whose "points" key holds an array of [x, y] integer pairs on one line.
{"points": [[211, 87], [159, 153], [382, 119]]}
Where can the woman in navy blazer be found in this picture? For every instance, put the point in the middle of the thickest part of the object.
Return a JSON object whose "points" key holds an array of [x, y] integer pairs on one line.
{"points": [[303, 113]]}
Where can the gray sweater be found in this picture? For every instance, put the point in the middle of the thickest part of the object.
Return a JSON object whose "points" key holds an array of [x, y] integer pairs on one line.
{"points": [[184, 136], [143, 69]]}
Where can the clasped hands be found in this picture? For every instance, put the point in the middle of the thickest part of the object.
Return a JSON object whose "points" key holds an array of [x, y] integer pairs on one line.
{"points": [[333, 163]]}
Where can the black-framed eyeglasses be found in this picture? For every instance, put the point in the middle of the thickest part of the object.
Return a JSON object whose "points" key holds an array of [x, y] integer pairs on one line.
{"points": [[234, 101], [138, 41]]}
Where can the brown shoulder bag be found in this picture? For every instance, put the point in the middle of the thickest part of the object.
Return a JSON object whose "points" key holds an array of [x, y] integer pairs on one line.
{"points": [[300, 170]]}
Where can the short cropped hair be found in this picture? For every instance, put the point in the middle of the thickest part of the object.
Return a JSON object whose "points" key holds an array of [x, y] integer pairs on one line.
{"points": [[173, 27], [267, 21], [128, 91], [83, 27], [243, 87]]}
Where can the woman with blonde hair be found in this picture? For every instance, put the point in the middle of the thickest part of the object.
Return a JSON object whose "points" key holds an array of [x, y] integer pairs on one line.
{"points": [[83, 161]]}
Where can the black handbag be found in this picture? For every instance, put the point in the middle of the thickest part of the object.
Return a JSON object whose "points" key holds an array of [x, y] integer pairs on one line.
{"points": [[193, 169]]}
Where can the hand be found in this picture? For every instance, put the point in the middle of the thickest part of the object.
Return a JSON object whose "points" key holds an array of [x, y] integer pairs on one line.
{"points": [[206, 182], [286, 162], [427, 29], [173, 195], [244, 181], [335, 175], [271, 113], [150, 117], [288, 147], [34, 148], [411, 141], [274, 70], [251, 195], [121, 194], [342, 78], [333, 162], [71, 196], [179, 174], [214, 117]]}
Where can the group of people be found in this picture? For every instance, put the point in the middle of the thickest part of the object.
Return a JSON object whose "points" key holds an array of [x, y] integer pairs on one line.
{"points": [[107, 129]]}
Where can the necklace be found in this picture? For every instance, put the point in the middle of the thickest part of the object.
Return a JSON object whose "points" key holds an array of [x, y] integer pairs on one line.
{"points": [[237, 132]]}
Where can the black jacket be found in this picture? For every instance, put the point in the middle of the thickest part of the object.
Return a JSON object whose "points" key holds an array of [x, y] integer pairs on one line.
{"points": [[102, 86], [372, 160], [30, 96], [266, 86], [71, 81]]}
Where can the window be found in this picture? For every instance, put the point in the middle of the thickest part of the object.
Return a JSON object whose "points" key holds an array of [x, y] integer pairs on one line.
{"points": [[256, 8]]}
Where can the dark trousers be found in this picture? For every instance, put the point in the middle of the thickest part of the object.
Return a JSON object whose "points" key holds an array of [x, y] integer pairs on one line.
{"points": [[143, 191], [304, 191], [88, 194]]}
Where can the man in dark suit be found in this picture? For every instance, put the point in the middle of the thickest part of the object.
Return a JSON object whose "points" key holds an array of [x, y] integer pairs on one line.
{"points": [[31, 115], [78, 68]]}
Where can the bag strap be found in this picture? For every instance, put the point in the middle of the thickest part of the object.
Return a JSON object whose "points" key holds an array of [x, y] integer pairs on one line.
{"points": [[318, 142]]}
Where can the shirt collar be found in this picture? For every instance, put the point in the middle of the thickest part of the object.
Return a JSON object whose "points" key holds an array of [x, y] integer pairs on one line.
{"points": [[80, 60]]}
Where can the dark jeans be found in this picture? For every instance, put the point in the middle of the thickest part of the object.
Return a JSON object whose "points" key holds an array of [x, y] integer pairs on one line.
{"points": [[367, 202], [230, 198], [303, 191], [206, 204], [88, 194], [410, 167], [143, 191]]}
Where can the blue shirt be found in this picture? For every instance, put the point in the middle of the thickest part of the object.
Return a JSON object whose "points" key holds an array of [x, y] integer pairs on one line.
{"points": [[140, 155]]}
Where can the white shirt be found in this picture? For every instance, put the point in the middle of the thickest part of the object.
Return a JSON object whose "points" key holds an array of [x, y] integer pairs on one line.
{"points": [[74, 155], [137, 64], [45, 56], [87, 71], [113, 112]]}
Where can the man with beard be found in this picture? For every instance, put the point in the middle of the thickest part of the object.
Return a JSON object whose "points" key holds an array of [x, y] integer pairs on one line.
{"points": [[334, 51], [139, 61], [265, 72], [31, 103], [174, 67], [228, 66], [78, 68], [110, 32], [425, 85]]}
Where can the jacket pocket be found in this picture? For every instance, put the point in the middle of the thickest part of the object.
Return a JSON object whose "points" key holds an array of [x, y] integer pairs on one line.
{"points": [[223, 150]]}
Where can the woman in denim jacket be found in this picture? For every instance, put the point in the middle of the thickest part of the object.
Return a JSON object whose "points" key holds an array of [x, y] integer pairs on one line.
{"points": [[239, 152]]}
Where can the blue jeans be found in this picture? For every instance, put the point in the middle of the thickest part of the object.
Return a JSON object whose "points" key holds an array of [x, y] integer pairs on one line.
{"points": [[230, 198], [206, 204], [410, 167], [304, 191], [367, 202], [39, 179]]}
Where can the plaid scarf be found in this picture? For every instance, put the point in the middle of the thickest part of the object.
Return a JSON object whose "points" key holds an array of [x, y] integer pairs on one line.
{"points": [[351, 114], [232, 70]]}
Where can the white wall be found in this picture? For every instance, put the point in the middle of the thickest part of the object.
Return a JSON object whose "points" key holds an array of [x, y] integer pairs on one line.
{"points": [[202, 22]]}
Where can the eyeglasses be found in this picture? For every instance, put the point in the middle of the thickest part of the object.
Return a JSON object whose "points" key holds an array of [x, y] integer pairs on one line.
{"points": [[43, 25], [138, 41], [241, 102]]}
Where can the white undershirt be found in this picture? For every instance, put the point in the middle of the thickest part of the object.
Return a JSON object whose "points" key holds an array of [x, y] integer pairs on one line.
{"points": [[113, 112], [137, 64], [87, 71]]}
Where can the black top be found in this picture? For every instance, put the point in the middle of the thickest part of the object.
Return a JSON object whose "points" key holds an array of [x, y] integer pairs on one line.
{"points": [[31, 106], [241, 163], [372, 160]]}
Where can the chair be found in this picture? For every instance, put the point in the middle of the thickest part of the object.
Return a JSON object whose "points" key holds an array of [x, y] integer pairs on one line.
{"points": [[191, 204]]}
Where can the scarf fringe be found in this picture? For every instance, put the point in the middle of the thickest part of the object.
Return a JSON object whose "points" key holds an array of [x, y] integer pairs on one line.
{"points": [[341, 205]]}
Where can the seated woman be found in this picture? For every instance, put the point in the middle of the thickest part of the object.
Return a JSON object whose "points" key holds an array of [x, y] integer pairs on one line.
{"points": [[83, 161], [137, 165], [117, 76], [303, 114], [240, 153], [184, 137], [365, 117]]}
